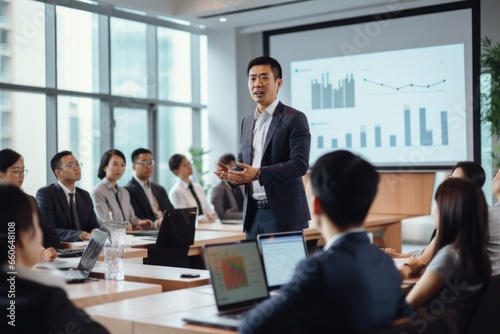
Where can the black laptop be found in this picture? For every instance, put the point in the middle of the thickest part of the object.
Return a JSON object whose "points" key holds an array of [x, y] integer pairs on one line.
{"points": [[238, 280], [281, 252], [89, 258]]}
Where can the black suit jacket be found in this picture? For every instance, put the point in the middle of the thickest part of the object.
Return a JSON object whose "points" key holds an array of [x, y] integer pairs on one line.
{"points": [[55, 211], [352, 287], [140, 201], [285, 161], [50, 237]]}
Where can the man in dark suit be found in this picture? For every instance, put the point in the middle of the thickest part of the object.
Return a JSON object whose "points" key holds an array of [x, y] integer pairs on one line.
{"points": [[273, 157], [148, 199], [64, 206], [350, 287]]}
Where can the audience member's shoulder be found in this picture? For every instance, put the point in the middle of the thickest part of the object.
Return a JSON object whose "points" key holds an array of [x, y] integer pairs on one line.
{"points": [[47, 188]]}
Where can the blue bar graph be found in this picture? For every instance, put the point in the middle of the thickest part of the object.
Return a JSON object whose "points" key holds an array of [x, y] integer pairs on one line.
{"points": [[444, 127], [348, 140], [392, 140], [378, 136], [425, 135], [320, 142], [324, 96], [407, 126], [362, 136]]}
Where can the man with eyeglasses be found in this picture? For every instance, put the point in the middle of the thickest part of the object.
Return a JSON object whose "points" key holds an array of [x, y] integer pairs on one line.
{"points": [[64, 206], [148, 199]]}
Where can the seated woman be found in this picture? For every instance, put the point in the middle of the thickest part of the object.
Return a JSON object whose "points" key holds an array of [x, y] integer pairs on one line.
{"points": [[186, 194], [468, 170], [461, 264], [110, 196], [41, 304], [12, 171]]}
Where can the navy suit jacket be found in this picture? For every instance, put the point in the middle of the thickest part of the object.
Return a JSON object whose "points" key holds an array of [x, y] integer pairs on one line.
{"points": [[351, 287], [54, 208], [284, 162], [140, 201]]}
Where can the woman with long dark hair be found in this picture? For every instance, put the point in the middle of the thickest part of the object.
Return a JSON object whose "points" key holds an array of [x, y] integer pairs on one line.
{"points": [[460, 264]]}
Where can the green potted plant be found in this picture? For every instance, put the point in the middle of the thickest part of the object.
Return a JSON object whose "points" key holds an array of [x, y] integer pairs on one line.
{"points": [[490, 98], [197, 154]]}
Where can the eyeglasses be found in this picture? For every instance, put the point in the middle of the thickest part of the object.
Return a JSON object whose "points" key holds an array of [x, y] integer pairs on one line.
{"points": [[145, 163], [18, 172], [72, 165]]}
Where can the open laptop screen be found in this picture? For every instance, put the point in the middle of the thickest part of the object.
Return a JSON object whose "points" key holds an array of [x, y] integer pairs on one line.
{"points": [[91, 253], [281, 252], [237, 274]]}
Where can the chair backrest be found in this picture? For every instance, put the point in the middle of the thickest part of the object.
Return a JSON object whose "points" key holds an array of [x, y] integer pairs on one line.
{"points": [[175, 238], [486, 318]]}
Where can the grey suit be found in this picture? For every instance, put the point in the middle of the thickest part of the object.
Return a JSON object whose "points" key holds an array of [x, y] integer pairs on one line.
{"points": [[224, 201], [285, 160]]}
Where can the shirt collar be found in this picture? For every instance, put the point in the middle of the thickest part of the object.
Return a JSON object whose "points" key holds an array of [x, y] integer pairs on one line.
{"points": [[141, 182], [183, 184], [269, 110], [65, 189], [110, 186], [342, 234]]}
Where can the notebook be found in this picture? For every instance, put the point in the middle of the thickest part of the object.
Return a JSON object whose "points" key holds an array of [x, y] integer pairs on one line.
{"points": [[89, 258], [238, 280], [281, 252]]}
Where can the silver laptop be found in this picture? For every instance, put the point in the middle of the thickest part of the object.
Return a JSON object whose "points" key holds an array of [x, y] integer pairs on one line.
{"points": [[238, 280], [281, 252], [89, 258]]}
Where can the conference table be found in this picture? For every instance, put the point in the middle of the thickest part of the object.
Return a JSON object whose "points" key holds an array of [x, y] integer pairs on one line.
{"points": [[103, 291]]}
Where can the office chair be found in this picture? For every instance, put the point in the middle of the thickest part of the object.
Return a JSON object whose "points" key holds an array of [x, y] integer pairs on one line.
{"points": [[175, 237], [485, 319]]}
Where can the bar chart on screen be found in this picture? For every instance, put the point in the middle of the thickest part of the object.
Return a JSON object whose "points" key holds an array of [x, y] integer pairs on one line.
{"points": [[392, 107]]}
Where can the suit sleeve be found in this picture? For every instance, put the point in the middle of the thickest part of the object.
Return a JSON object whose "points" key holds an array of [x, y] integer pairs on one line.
{"points": [[299, 146], [285, 313], [46, 204], [50, 238]]}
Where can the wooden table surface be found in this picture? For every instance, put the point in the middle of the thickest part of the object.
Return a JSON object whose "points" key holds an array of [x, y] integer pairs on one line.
{"points": [[103, 291]]}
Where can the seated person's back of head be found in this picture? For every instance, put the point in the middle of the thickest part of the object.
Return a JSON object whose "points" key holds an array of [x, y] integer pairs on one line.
{"points": [[40, 304], [351, 286]]}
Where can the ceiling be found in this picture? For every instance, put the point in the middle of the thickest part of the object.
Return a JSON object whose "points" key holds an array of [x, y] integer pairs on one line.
{"points": [[254, 15]]}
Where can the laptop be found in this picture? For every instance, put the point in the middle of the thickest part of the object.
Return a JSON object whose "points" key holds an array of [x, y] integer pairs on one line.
{"points": [[89, 258], [281, 252], [238, 280]]}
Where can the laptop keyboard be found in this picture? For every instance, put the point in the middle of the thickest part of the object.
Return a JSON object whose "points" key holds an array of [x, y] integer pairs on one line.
{"points": [[235, 315]]}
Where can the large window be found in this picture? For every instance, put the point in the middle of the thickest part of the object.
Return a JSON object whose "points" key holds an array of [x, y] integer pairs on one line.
{"points": [[174, 67], [26, 134], [130, 133], [77, 50], [175, 135], [84, 77], [79, 132], [129, 70]]}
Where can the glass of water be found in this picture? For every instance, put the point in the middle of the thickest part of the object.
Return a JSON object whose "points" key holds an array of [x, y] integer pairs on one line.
{"points": [[113, 261]]}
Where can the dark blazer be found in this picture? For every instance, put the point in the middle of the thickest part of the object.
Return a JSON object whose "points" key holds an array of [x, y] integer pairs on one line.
{"points": [[224, 201], [50, 237], [140, 201], [43, 309], [55, 211], [284, 162], [351, 287]]}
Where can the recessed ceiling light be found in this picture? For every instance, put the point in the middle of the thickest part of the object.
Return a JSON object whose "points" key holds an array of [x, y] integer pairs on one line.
{"points": [[222, 19]]}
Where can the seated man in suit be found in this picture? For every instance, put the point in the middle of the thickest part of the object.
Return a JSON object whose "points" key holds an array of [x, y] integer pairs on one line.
{"points": [[64, 206], [349, 287], [227, 201], [148, 199]]}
